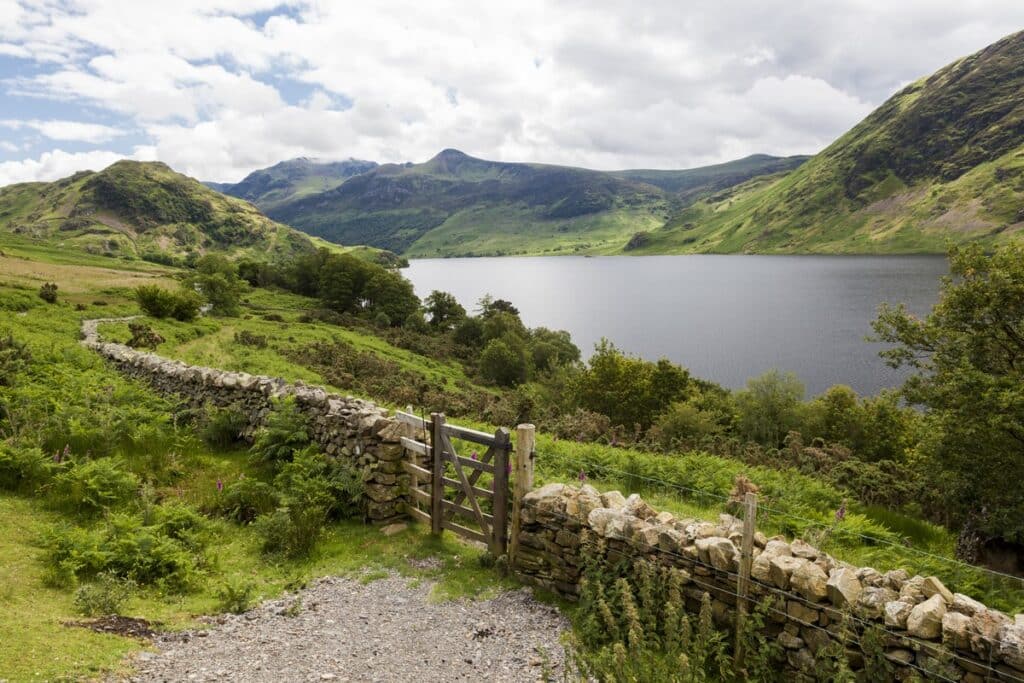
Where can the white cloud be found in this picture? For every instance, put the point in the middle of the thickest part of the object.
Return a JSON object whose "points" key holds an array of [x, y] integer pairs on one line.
{"points": [[68, 130], [57, 164], [595, 83]]}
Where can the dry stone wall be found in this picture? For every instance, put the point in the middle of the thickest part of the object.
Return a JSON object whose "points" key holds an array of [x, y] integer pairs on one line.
{"points": [[926, 629], [357, 431]]}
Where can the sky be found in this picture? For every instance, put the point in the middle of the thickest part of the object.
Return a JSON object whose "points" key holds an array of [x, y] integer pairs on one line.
{"points": [[219, 88]]}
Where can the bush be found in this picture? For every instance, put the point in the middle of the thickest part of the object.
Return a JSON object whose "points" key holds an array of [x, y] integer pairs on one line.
{"points": [[685, 423], [314, 480], [126, 547], [290, 531], [93, 486], [769, 407], [14, 358], [162, 303], [23, 469], [503, 362], [222, 427], [48, 293], [246, 499], [105, 595], [285, 432], [247, 338], [236, 596]]}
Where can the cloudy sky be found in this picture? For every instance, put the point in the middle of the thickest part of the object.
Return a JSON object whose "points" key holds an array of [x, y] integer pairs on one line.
{"points": [[217, 88]]}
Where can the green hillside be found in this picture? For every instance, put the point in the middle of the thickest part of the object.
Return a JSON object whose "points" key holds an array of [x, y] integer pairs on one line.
{"points": [[292, 179], [141, 210], [692, 182], [943, 159]]}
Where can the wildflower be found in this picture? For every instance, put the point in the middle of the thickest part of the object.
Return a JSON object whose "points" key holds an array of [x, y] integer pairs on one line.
{"points": [[474, 455], [220, 485], [510, 468], [583, 475], [841, 512], [67, 451]]}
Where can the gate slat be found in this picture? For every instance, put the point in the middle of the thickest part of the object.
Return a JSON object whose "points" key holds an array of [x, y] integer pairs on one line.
{"points": [[416, 447], [470, 463], [464, 531], [416, 470], [410, 419], [483, 493], [420, 494], [466, 486], [418, 514], [464, 511], [467, 434]]}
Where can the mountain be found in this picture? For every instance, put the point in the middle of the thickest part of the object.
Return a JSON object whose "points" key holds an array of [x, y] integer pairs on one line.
{"points": [[455, 204], [293, 179], [942, 159], [141, 209], [692, 182]]}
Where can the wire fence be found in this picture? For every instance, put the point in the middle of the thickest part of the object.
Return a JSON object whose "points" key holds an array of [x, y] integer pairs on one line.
{"points": [[896, 638], [1006, 590]]}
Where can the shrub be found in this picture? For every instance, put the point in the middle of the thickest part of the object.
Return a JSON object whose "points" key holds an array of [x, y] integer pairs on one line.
{"points": [[48, 292], [23, 469], [314, 480], [684, 422], [143, 336], [290, 531], [14, 358], [285, 432], [123, 546], [246, 499], [105, 595], [236, 596], [768, 407], [162, 303], [93, 486], [503, 361], [222, 427], [247, 338]]}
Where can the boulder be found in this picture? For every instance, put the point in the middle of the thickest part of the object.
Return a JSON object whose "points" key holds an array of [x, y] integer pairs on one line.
{"points": [[913, 590], [719, 552], [789, 641], [613, 499], [872, 601], [925, 620], [897, 612], [638, 507], [548, 498], [801, 548], [896, 578], [599, 518], [966, 605], [956, 629], [1011, 645], [870, 576], [810, 581], [932, 586], [843, 587], [782, 568]]}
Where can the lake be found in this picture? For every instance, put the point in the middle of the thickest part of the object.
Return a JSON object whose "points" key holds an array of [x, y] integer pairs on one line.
{"points": [[726, 318]]}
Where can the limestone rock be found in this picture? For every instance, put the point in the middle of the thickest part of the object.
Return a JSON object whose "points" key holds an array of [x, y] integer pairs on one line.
{"points": [[843, 587], [782, 568], [872, 601], [966, 605], [870, 576], [897, 612], [719, 552], [613, 499], [956, 630], [789, 641], [801, 548], [932, 586], [896, 578], [925, 620], [638, 507], [1011, 645], [913, 590], [599, 518], [810, 581]]}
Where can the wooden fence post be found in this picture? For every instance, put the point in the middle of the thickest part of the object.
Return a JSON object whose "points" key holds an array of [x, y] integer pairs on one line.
{"points": [[499, 525], [746, 560], [437, 467], [525, 440]]}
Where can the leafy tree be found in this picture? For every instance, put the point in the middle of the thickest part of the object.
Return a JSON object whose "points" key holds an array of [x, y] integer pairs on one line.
{"points": [[488, 306], [769, 407], [968, 354], [503, 361], [500, 324], [163, 303], [392, 294], [217, 280], [341, 280], [629, 390], [444, 310], [470, 332], [550, 348]]}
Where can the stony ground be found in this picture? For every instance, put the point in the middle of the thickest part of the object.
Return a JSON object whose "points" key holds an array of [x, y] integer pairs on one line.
{"points": [[385, 630]]}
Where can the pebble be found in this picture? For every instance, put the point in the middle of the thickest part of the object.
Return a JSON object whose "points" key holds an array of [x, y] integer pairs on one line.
{"points": [[385, 630]]}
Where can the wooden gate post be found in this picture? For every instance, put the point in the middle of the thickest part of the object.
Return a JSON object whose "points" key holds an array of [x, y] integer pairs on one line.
{"points": [[746, 560], [437, 468], [499, 525], [525, 440]]}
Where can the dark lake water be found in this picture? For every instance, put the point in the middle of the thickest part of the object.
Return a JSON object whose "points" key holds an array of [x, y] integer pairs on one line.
{"points": [[727, 318]]}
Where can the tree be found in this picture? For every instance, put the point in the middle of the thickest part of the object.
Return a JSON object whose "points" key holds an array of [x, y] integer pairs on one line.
{"points": [[488, 305], [550, 348], [444, 310], [391, 294], [968, 358], [769, 407], [503, 361]]}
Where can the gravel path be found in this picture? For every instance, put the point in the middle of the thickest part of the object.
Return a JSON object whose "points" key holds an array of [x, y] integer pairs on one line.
{"points": [[382, 631]]}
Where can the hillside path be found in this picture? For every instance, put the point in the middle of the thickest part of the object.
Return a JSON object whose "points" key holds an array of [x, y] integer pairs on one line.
{"points": [[382, 631]]}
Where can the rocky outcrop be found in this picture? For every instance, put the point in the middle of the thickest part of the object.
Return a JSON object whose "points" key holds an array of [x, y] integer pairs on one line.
{"points": [[345, 427], [926, 626]]}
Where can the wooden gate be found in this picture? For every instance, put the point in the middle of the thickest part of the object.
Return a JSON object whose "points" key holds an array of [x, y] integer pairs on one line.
{"points": [[446, 485]]}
